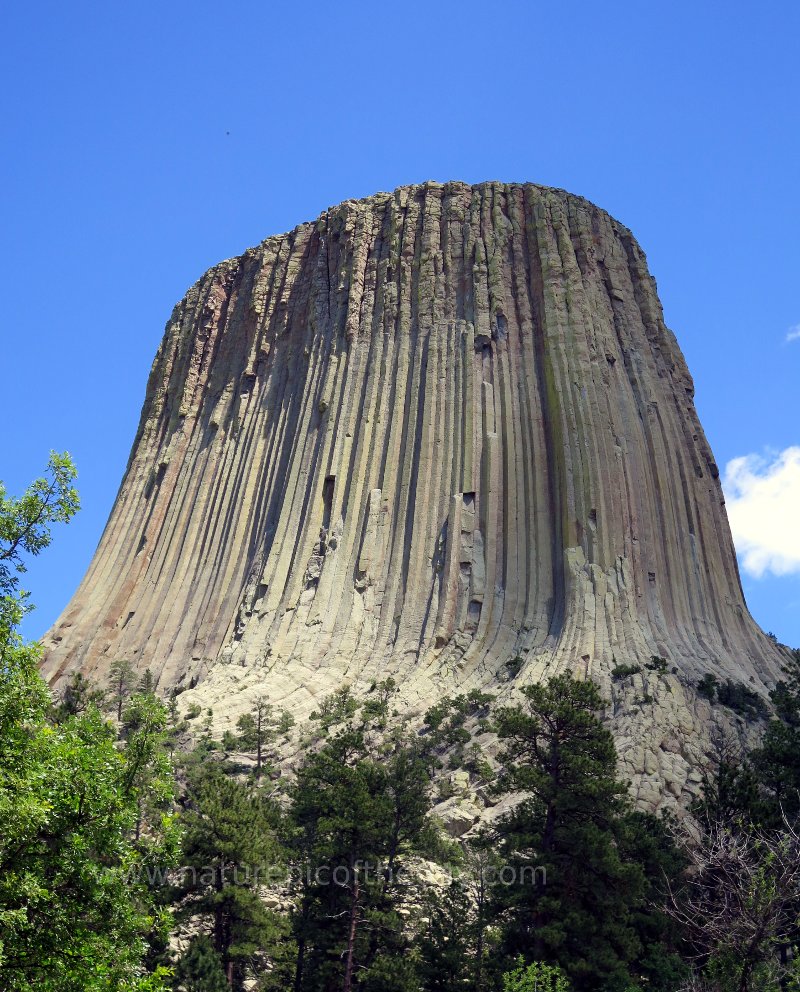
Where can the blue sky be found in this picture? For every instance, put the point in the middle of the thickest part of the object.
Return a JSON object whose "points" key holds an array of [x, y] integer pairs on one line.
{"points": [[145, 142]]}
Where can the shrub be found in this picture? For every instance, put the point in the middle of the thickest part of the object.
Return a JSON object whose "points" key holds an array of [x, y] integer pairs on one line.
{"points": [[741, 699], [514, 666], [536, 977], [707, 687]]}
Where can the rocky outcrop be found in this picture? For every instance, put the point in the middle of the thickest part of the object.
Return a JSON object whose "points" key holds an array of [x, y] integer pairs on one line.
{"points": [[433, 431]]}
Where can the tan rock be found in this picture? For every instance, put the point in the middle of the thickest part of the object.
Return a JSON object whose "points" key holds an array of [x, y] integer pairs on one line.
{"points": [[435, 430]]}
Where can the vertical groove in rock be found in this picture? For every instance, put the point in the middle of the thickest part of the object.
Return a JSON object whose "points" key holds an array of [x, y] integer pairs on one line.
{"points": [[434, 430]]}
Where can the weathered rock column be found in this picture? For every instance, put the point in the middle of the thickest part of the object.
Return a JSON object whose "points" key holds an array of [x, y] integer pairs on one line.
{"points": [[434, 430]]}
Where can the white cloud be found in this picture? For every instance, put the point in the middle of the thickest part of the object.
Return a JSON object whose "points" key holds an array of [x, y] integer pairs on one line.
{"points": [[763, 498], [793, 334]]}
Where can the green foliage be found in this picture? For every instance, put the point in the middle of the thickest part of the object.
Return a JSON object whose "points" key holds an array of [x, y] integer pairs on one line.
{"points": [[335, 708], [79, 694], [257, 730], [741, 699], [514, 667], [764, 787], [453, 943], [375, 708], [230, 851], [77, 912], [621, 672], [447, 731], [735, 695], [445, 941], [285, 722], [200, 968], [582, 867], [536, 977], [359, 808], [25, 529], [122, 681], [707, 687], [749, 814], [657, 664]]}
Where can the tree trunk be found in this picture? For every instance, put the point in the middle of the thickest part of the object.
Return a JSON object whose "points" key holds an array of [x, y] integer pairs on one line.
{"points": [[351, 939], [299, 962], [258, 743], [480, 925]]}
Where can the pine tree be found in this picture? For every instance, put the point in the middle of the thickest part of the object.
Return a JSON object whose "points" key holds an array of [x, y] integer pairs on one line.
{"points": [[122, 680], [231, 851], [257, 730], [571, 891], [536, 977], [776, 762], [78, 695], [446, 941], [200, 968], [359, 807], [741, 902]]}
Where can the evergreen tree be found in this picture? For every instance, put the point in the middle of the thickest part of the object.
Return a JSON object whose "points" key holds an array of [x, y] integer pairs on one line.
{"points": [[78, 696], [761, 788], [536, 977], [231, 851], [576, 885], [200, 968], [742, 902], [776, 762], [358, 808], [122, 680], [257, 730], [446, 940], [454, 938]]}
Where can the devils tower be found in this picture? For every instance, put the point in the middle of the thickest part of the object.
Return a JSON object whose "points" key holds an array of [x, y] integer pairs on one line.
{"points": [[442, 434]]}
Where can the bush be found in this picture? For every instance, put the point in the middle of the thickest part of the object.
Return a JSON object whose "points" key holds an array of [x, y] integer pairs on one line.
{"points": [[624, 671], [536, 977], [707, 687], [741, 699], [513, 667], [735, 695], [657, 664]]}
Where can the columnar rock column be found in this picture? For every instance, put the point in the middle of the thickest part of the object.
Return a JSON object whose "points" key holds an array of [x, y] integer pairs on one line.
{"points": [[436, 430]]}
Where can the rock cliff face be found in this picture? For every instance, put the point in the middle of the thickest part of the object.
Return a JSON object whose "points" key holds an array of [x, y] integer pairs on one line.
{"points": [[431, 432]]}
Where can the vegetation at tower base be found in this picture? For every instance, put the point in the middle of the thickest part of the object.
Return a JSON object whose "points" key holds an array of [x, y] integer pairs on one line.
{"points": [[741, 906], [82, 816], [314, 881], [600, 863], [359, 809], [536, 977], [230, 848]]}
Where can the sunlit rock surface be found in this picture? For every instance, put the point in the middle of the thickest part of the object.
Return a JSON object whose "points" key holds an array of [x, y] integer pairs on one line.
{"points": [[431, 432]]}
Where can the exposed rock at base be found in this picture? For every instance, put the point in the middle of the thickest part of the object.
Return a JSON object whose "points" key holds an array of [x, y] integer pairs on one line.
{"points": [[435, 432]]}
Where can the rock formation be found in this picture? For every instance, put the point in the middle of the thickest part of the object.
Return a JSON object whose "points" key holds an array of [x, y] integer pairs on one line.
{"points": [[433, 431]]}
